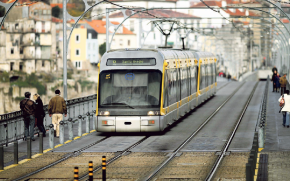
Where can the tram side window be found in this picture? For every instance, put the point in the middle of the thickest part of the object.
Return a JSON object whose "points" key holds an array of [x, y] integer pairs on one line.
{"points": [[166, 87], [178, 83], [172, 84], [183, 80], [200, 78], [214, 72], [203, 77], [209, 74], [193, 79]]}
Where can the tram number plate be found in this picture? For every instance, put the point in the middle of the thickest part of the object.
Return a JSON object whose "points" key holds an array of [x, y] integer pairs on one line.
{"points": [[131, 62]]}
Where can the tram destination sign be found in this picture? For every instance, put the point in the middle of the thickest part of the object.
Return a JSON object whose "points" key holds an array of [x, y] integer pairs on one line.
{"points": [[131, 62]]}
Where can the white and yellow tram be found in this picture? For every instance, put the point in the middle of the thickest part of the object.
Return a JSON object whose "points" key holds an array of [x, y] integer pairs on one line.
{"points": [[146, 90]]}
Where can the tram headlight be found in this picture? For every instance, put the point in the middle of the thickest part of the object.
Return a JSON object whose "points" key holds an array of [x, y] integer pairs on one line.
{"points": [[104, 113], [153, 113]]}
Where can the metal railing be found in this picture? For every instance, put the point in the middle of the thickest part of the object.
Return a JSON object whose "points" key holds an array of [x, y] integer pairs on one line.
{"points": [[12, 124]]}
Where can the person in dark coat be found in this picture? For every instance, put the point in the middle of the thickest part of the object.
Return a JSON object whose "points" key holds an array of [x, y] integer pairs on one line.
{"points": [[39, 114], [273, 80], [274, 69], [277, 83]]}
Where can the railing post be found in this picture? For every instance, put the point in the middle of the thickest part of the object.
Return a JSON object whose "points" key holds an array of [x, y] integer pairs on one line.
{"points": [[104, 164], [28, 147], [76, 174], [88, 123], [1, 157], [94, 120], [41, 142], [91, 174], [249, 175], [61, 132], [15, 152], [51, 136], [80, 126], [70, 129]]}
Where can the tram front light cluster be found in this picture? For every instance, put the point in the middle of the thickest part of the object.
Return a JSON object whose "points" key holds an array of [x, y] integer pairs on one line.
{"points": [[108, 122], [153, 113], [104, 113]]}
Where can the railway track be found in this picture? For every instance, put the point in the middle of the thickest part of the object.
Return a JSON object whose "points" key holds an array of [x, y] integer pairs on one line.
{"points": [[60, 160], [217, 162]]}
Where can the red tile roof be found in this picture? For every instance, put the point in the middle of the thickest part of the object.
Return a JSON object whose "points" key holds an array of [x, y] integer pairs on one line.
{"points": [[100, 26], [285, 20], [162, 13], [235, 12]]}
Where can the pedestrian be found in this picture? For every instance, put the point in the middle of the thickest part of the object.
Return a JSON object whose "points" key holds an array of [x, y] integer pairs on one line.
{"points": [[284, 102], [39, 114], [56, 109], [273, 80], [283, 82], [274, 69], [277, 83], [28, 107]]}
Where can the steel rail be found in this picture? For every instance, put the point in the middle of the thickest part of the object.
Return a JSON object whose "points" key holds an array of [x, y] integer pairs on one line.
{"points": [[61, 160], [227, 144], [124, 152], [152, 174]]}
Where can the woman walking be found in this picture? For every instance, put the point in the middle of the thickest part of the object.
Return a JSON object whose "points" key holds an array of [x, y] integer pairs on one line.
{"points": [[39, 114], [277, 83]]}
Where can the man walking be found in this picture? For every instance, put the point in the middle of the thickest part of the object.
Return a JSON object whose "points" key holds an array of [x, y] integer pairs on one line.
{"points": [[28, 107], [273, 79], [56, 108], [283, 82]]}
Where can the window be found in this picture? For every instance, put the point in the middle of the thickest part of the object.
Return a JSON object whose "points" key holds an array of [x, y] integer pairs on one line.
{"points": [[20, 66], [21, 50], [77, 38], [12, 51], [44, 12], [121, 42], [78, 64], [129, 43], [11, 66], [35, 12], [154, 36], [131, 25], [77, 52], [89, 46], [93, 46], [16, 26], [43, 63]]}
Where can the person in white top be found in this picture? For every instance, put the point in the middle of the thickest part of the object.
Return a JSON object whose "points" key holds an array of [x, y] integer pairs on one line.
{"points": [[284, 101]]}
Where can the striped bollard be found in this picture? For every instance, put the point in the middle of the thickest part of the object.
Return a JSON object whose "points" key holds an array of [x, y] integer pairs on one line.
{"points": [[104, 168], [76, 174], [91, 175]]}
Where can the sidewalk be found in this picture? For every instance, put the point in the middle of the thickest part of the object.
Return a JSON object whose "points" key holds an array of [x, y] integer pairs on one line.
{"points": [[277, 140]]}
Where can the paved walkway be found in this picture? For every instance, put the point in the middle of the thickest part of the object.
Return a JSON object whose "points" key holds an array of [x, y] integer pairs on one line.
{"points": [[277, 141]]}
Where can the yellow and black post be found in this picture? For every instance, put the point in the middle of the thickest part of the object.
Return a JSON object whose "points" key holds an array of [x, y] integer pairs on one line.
{"points": [[104, 167], [91, 175], [76, 174]]}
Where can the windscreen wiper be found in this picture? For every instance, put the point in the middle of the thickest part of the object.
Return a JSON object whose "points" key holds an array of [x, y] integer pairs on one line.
{"points": [[119, 103]]}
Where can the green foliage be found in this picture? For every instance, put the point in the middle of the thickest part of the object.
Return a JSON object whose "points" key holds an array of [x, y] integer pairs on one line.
{"points": [[86, 83], [4, 77], [19, 98], [2, 11], [31, 81], [102, 49], [55, 11], [48, 78], [69, 75]]}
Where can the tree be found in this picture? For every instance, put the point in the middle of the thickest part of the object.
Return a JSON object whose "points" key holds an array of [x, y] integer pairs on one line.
{"points": [[55, 11], [102, 49]]}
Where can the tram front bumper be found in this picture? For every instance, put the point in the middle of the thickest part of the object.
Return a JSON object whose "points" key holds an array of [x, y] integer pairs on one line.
{"points": [[128, 124]]}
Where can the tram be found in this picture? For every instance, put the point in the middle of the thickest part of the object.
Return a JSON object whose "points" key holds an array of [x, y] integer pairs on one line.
{"points": [[146, 90]]}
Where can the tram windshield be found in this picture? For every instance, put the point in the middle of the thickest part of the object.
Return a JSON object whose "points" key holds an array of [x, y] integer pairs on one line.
{"points": [[130, 88]]}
